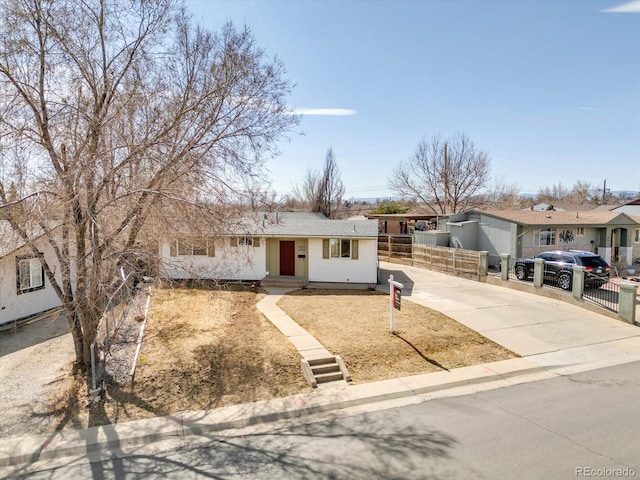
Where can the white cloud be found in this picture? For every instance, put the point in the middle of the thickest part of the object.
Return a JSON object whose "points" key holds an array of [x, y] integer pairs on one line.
{"points": [[628, 7], [335, 112]]}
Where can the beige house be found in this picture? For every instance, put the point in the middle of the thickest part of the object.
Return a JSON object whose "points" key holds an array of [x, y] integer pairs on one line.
{"points": [[523, 233]]}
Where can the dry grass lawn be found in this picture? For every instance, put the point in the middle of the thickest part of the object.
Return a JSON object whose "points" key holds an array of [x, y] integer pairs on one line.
{"points": [[206, 348], [203, 348], [355, 325]]}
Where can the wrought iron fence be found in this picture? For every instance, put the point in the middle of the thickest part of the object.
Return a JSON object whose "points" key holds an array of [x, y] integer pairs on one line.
{"points": [[607, 296], [511, 274], [494, 263]]}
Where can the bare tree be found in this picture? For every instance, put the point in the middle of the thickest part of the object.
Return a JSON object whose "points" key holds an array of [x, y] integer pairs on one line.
{"points": [[582, 192], [502, 195], [444, 174], [553, 194], [115, 112], [323, 190], [308, 191]]}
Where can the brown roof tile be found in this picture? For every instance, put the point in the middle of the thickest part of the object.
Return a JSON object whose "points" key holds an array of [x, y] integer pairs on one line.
{"points": [[528, 217]]}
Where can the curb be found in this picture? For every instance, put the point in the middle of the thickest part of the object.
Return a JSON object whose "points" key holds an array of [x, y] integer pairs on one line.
{"points": [[29, 449]]}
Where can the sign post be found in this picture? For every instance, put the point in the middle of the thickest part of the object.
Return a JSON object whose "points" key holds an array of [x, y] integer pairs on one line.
{"points": [[394, 300]]}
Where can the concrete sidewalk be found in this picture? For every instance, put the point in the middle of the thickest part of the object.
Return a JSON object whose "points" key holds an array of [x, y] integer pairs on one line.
{"points": [[552, 337]]}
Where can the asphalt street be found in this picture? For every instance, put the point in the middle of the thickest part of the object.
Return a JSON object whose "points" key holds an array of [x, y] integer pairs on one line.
{"points": [[582, 425]]}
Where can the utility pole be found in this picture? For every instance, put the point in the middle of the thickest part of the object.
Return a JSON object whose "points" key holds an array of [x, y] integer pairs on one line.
{"points": [[446, 178], [604, 191]]}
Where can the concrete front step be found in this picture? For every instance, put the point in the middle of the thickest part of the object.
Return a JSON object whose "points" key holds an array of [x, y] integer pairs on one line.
{"points": [[324, 369], [294, 282], [329, 377], [328, 368], [321, 360]]}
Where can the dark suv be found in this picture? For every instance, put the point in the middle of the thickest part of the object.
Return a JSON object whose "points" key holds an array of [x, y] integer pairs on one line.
{"points": [[558, 268]]}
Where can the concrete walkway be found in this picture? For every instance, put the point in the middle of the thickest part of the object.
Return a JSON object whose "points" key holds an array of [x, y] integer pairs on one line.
{"points": [[553, 338], [307, 345]]}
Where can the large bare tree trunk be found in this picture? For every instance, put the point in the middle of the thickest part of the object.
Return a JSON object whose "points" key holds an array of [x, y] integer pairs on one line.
{"points": [[110, 107]]}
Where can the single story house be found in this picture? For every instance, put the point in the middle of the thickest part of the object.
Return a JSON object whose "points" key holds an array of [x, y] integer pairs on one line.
{"points": [[559, 207], [304, 247], [523, 233], [24, 288]]}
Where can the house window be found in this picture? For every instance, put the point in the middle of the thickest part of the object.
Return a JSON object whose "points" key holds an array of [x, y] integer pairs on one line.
{"points": [[340, 248], [248, 242], [636, 235], [30, 274], [546, 237], [580, 232], [193, 246]]}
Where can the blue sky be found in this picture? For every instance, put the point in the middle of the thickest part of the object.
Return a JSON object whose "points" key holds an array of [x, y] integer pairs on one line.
{"points": [[549, 89]]}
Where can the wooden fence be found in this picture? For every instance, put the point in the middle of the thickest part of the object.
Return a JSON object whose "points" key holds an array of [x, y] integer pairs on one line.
{"points": [[395, 248], [456, 261]]}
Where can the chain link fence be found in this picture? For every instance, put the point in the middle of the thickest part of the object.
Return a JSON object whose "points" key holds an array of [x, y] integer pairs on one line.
{"points": [[114, 330]]}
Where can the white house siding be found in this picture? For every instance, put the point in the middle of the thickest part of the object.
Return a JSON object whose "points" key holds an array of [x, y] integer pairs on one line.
{"points": [[363, 270], [633, 210], [14, 306], [229, 263]]}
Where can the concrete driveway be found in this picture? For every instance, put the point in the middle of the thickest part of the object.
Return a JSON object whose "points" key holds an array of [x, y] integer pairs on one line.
{"points": [[34, 361], [554, 334]]}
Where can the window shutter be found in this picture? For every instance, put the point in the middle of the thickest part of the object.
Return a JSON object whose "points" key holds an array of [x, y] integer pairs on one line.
{"points": [[211, 247], [354, 249], [172, 248], [233, 242], [325, 248], [256, 242]]}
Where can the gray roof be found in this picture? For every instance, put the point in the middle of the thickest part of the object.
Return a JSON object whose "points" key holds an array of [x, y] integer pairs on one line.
{"points": [[303, 224]]}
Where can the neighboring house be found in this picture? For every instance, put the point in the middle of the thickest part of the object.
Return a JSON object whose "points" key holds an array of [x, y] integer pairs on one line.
{"points": [[558, 206], [521, 233], [630, 208], [299, 246], [24, 288]]}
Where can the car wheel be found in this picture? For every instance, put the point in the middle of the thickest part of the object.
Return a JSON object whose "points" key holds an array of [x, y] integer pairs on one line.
{"points": [[564, 281], [521, 272]]}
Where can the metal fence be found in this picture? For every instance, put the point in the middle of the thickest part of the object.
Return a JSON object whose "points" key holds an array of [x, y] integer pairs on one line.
{"points": [[607, 296], [511, 275], [115, 312], [494, 264]]}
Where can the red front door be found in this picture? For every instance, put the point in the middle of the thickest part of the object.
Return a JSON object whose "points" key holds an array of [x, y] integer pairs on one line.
{"points": [[288, 258]]}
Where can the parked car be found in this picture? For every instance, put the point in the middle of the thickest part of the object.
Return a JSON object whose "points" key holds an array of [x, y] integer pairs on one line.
{"points": [[558, 268]]}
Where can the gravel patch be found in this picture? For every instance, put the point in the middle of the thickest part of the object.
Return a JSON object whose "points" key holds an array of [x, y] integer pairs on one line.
{"points": [[121, 352], [35, 360]]}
